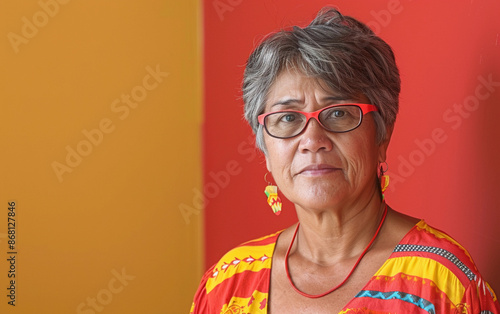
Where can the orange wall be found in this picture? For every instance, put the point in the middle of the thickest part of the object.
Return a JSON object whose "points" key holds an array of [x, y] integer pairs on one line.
{"points": [[100, 121], [444, 154]]}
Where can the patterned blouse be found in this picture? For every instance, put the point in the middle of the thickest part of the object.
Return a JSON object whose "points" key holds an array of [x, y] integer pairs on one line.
{"points": [[428, 272]]}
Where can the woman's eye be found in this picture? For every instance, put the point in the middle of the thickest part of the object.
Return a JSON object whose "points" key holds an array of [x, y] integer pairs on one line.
{"points": [[288, 118], [338, 113]]}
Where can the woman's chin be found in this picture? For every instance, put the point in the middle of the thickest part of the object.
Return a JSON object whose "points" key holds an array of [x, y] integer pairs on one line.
{"points": [[320, 200]]}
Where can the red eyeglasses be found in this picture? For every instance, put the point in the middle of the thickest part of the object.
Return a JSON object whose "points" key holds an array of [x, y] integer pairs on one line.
{"points": [[339, 118]]}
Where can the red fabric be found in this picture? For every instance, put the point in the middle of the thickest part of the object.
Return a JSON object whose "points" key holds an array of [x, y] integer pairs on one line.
{"points": [[428, 272]]}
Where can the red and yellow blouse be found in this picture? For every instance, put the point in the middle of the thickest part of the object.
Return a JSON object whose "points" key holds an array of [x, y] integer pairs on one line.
{"points": [[428, 272]]}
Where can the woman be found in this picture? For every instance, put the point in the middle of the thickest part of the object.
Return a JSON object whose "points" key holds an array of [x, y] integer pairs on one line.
{"points": [[322, 102]]}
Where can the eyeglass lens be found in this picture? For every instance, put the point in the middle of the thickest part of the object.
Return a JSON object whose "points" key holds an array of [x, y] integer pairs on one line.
{"points": [[284, 124]]}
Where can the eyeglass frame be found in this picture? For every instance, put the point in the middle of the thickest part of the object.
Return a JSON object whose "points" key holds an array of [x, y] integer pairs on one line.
{"points": [[365, 108]]}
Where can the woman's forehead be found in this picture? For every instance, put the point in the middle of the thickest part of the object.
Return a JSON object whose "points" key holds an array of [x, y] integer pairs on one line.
{"points": [[293, 86], [295, 83]]}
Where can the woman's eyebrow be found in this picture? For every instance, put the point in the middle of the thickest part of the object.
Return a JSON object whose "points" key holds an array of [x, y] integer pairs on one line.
{"points": [[324, 99], [287, 102], [338, 98]]}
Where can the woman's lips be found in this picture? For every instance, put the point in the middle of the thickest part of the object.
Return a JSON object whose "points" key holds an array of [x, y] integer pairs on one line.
{"points": [[318, 169]]}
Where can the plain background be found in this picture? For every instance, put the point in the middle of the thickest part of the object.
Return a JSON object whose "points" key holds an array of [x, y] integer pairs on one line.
{"points": [[105, 236]]}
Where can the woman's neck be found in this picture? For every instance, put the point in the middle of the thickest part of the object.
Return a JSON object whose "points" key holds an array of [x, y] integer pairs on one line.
{"points": [[327, 237]]}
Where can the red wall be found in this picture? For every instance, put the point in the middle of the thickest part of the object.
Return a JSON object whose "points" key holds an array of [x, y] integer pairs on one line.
{"points": [[444, 152]]}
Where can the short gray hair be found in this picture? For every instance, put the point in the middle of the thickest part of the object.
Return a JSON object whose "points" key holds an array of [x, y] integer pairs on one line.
{"points": [[339, 51]]}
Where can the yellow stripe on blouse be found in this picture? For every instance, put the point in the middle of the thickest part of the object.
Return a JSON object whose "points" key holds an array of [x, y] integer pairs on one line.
{"points": [[426, 268], [240, 259]]}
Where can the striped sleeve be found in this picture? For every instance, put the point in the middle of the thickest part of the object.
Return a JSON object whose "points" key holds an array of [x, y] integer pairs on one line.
{"points": [[428, 272]]}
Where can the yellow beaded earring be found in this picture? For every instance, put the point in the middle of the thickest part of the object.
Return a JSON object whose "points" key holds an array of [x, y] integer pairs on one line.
{"points": [[272, 196], [384, 178]]}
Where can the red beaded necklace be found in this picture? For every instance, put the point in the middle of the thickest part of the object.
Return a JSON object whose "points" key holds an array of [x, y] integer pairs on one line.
{"points": [[315, 296]]}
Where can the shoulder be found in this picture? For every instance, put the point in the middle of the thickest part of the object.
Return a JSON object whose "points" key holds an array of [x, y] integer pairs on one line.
{"points": [[252, 255], [241, 275], [435, 248], [430, 258], [427, 242]]}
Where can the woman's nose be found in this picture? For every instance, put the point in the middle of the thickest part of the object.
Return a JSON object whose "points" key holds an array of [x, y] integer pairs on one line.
{"points": [[315, 138]]}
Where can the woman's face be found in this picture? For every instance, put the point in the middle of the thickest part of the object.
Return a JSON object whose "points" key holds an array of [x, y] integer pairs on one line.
{"points": [[319, 169]]}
